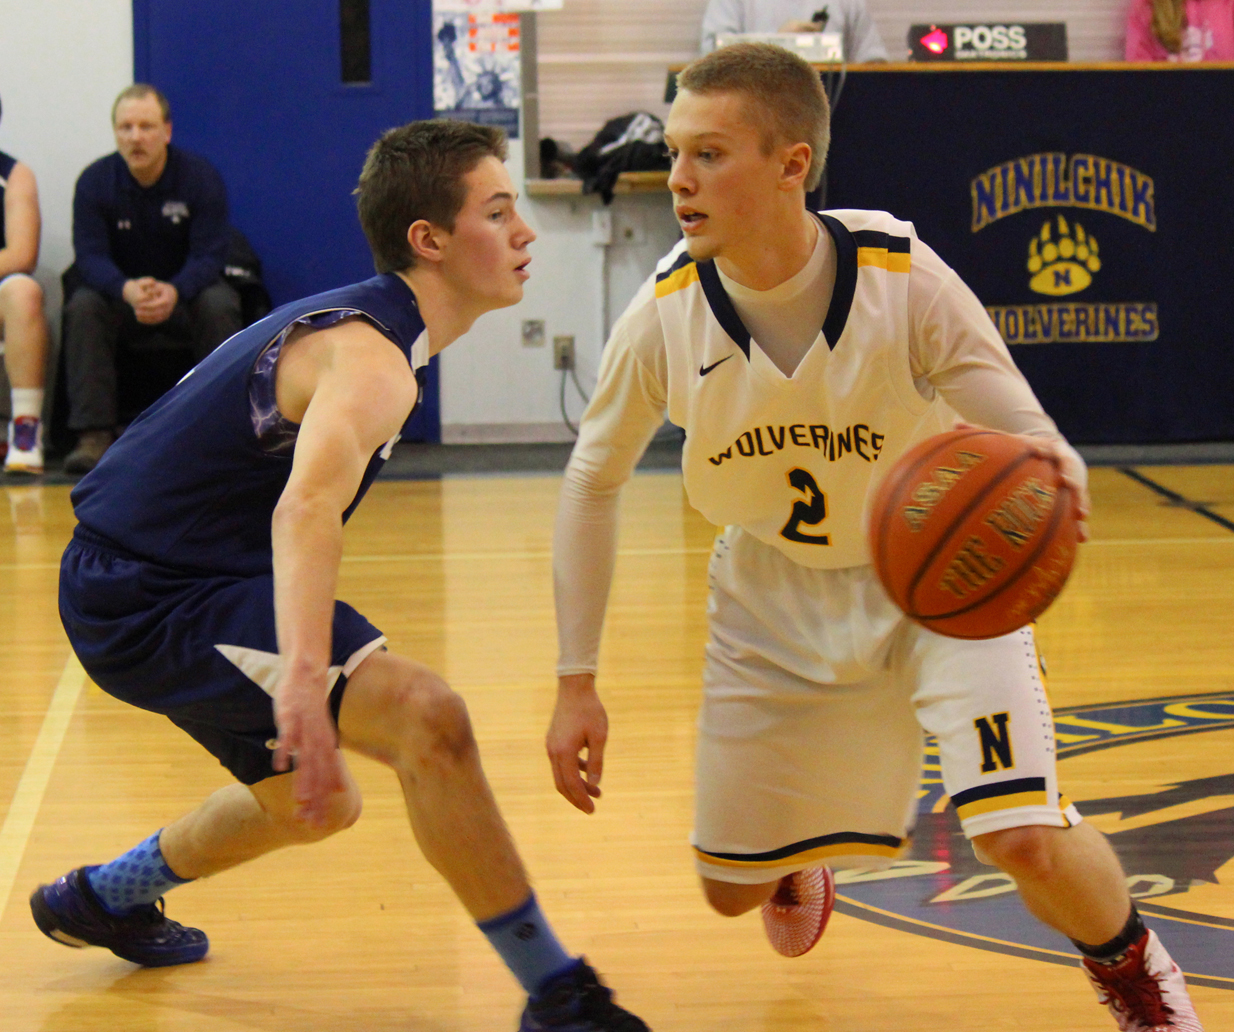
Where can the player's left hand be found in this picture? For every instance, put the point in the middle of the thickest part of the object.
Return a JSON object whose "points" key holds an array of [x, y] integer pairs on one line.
{"points": [[1074, 475], [1070, 465], [308, 739]]}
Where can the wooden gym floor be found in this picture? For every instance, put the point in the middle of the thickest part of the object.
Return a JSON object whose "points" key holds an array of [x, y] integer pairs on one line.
{"points": [[359, 933]]}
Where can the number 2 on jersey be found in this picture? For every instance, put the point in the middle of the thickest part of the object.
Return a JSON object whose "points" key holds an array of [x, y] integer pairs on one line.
{"points": [[811, 512]]}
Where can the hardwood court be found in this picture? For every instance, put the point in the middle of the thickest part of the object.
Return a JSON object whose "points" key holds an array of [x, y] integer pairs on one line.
{"points": [[358, 933]]}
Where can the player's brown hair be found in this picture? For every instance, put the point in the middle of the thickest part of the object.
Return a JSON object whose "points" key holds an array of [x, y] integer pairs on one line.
{"points": [[416, 172], [136, 92], [786, 95], [1169, 20]]}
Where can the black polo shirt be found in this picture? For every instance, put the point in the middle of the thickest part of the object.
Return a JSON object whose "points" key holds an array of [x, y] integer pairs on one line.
{"points": [[174, 230]]}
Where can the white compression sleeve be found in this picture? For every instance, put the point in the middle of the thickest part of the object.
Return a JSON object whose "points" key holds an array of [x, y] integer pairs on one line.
{"points": [[625, 412], [956, 351]]}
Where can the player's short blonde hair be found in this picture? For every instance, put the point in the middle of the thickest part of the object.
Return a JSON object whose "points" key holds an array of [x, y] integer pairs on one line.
{"points": [[784, 93], [416, 172]]}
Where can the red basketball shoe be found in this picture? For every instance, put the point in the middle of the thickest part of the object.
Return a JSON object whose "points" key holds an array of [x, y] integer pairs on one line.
{"points": [[797, 914], [1145, 990]]}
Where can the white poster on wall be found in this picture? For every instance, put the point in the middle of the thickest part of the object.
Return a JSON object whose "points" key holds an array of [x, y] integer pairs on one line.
{"points": [[497, 5], [476, 75]]}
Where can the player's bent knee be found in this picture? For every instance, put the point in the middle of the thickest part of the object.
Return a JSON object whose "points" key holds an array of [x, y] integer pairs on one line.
{"points": [[1026, 852], [347, 811], [22, 296], [342, 812], [433, 720]]}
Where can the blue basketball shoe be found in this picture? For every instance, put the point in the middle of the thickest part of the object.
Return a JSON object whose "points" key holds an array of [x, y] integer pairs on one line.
{"points": [[69, 912], [576, 1001]]}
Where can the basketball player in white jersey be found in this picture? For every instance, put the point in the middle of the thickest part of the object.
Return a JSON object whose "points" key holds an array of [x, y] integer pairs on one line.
{"points": [[816, 689]]}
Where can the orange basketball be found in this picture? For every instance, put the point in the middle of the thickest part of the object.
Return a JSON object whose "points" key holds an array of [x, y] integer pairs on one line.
{"points": [[973, 534]]}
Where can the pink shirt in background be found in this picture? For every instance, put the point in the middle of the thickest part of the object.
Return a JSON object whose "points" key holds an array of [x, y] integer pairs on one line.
{"points": [[1209, 35]]}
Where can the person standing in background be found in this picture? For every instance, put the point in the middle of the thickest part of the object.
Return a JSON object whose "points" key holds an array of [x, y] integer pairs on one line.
{"points": [[849, 18], [1180, 30], [23, 326]]}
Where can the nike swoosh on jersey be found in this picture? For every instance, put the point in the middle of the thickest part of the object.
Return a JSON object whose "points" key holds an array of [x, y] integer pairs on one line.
{"points": [[704, 370]]}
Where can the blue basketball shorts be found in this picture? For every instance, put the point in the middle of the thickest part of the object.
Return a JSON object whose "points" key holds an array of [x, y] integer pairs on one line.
{"points": [[199, 649]]}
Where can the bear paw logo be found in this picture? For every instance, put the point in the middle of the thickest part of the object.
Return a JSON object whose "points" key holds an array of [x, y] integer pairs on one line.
{"points": [[1064, 265]]}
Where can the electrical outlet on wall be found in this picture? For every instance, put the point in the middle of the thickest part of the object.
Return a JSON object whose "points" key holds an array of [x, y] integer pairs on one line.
{"points": [[563, 352], [628, 228], [533, 333], [602, 227]]}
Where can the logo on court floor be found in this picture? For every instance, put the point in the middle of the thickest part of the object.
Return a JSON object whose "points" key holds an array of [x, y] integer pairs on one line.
{"points": [[1175, 839]]}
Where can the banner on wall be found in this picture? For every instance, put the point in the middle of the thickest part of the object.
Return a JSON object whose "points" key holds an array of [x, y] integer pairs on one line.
{"points": [[1085, 209], [476, 69], [1071, 294]]}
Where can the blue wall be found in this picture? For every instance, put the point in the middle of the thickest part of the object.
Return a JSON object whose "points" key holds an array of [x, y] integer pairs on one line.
{"points": [[257, 88]]}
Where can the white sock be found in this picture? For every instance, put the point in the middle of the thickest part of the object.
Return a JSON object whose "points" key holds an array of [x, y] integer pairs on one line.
{"points": [[27, 401]]}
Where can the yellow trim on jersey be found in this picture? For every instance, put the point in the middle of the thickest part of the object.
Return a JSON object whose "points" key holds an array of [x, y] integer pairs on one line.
{"points": [[881, 258], [679, 280], [818, 853], [1003, 802]]}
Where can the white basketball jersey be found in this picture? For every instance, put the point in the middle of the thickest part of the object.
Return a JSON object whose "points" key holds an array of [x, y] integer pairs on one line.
{"points": [[794, 460]]}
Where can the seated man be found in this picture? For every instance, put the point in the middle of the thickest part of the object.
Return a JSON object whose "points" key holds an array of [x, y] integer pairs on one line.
{"points": [[847, 17], [150, 237], [23, 327]]}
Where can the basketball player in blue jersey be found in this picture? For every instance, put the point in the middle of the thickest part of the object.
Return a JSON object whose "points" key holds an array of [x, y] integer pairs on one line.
{"points": [[816, 689], [200, 583]]}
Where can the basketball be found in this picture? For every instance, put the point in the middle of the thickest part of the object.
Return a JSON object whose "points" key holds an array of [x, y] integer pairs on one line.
{"points": [[973, 534]]}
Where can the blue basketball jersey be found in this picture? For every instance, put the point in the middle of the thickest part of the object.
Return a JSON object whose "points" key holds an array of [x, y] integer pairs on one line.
{"points": [[193, 482]]}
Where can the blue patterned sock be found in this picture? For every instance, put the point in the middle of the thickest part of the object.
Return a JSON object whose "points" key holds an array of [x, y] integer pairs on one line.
{"points": [[527, 944], [139, 876]]}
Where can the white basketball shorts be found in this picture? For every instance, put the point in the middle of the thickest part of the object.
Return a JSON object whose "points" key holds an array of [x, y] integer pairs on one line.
{"points": [[816, 692]]}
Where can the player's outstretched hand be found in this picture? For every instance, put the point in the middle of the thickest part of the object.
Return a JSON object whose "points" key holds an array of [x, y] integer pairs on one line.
{"points": [[307, 738], [1071, 466], [576, 739]]}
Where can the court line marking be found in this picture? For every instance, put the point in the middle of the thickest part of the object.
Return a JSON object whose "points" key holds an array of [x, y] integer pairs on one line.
{"points": [[1222, 540], [999, 945], [28, 797], [1169, 914], [1199, 508], [902, 922], [424, 557]]}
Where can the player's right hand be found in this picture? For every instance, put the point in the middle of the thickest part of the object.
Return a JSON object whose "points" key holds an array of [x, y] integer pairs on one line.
{"points": [[308, 739], [576, 739]]}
